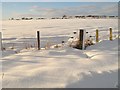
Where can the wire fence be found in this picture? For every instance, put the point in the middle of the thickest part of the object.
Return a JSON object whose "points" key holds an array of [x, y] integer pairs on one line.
{"points": [[19, 44]]}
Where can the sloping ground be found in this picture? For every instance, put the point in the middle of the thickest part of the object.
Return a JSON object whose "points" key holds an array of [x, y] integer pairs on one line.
{"points": [[63, 67], [95, 80]]}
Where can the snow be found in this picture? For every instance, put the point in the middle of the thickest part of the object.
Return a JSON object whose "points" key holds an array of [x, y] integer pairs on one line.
{"points": [[61, 67]]}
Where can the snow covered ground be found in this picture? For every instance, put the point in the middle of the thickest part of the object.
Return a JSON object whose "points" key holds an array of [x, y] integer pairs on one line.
{"points": [[64, 67]]}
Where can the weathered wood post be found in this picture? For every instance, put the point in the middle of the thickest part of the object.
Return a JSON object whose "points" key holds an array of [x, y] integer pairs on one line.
{"points": [[38, 40], [97, 36], [110, 34], [0, 41], [81, 39]]}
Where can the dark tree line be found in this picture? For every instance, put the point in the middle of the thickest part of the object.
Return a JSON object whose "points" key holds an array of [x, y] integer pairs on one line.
{"points": [[69, 17]]}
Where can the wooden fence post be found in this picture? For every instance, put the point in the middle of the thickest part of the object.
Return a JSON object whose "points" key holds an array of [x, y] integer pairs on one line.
{"points": [[38, 40], [110, 34], [81, 39], [97, 36], [0, 41]]}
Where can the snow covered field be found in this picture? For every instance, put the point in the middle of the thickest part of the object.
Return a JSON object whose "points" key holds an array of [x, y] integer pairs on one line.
{"points": [[64, 67]]}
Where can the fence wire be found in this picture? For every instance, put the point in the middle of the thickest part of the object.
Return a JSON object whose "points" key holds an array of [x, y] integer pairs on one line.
{"points": [[27, 41]]}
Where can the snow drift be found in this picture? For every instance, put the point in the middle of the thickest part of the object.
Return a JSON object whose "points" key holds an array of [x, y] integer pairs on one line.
{"points": [[64, 67]]}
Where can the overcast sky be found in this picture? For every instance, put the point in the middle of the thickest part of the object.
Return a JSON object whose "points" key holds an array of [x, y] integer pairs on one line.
{"points": [[57, 9]]}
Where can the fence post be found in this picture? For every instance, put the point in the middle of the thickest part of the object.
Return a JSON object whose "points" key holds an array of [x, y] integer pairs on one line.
{"points": [[110, 34], [38, 40], [0, 41], [81, 39], [97, 36]]}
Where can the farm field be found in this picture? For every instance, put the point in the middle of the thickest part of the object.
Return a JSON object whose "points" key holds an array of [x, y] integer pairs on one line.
{"points": [[23, 66]]}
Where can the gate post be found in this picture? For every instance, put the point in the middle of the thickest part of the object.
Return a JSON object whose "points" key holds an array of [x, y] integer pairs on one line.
{"points": [[81, 39]]}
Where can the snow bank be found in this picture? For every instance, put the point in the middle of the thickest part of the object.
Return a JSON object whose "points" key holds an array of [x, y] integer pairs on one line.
{"points": [[62, 67]]}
